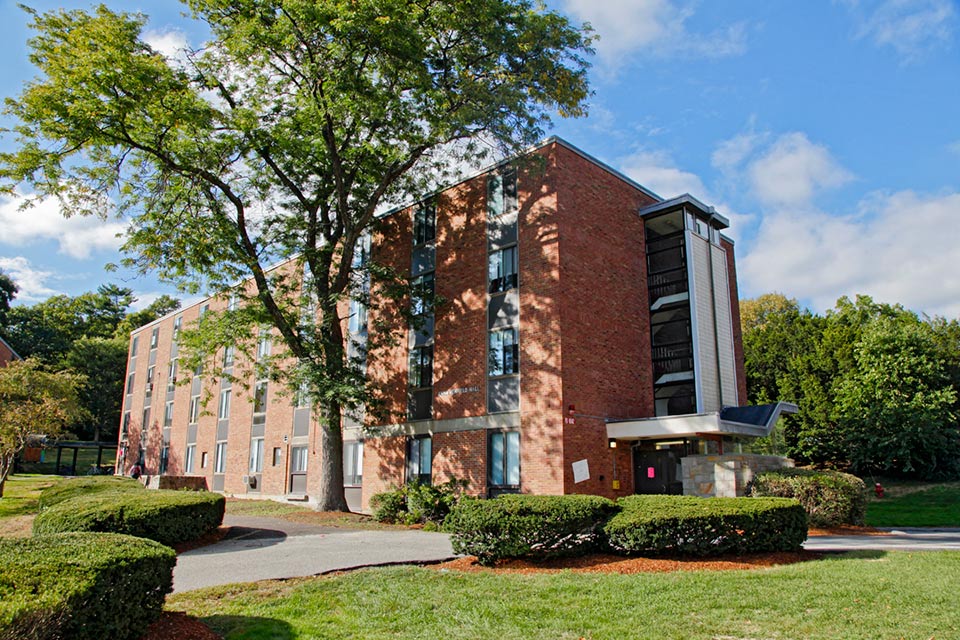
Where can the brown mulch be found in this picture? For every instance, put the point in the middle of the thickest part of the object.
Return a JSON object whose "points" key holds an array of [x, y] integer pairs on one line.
{"points": [[606, 563], [173, 624], [847, 530]]}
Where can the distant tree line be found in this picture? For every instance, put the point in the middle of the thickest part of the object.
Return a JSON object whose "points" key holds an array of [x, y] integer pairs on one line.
{"points": [[85, 335], [877, 385]]}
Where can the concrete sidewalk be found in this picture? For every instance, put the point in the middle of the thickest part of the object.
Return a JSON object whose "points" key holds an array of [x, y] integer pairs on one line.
{"points": [[900, 539], [271, 548]]}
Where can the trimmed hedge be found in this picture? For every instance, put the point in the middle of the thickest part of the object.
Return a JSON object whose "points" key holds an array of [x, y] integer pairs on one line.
{"points": [[690, 526], [169, 517], [512, 526], [77, 487], [415, 502], [830, 498], [83, 586]]}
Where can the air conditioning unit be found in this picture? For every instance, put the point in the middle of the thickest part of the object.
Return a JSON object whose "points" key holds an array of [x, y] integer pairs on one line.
{"points": [[252, 482], [149, 387]]}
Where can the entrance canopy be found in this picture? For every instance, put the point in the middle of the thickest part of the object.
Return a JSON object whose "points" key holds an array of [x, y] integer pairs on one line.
{"points": [[756, 421]]}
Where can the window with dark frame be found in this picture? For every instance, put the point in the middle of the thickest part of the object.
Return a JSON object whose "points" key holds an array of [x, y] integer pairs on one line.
{"points": [[502, 269], [422, 294], [504, 460], [220, 458], [503, 354], [420, 459], [502, 192], [353, 463], [130, 380], [421, 367], [154, 338], [424, 223], [298, 460]]}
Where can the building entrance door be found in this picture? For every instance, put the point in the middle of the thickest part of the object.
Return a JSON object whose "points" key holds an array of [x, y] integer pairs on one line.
{"points": [[655, 471]]}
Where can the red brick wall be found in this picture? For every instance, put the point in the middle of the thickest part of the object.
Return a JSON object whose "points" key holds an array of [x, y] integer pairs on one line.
{"points": [[6, 355], [461, 455], [735, 318], [383, 465], [603, 303]]}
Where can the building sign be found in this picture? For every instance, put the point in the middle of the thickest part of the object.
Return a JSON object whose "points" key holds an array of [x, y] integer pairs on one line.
{"points": [[458, 391], [581, 471]]}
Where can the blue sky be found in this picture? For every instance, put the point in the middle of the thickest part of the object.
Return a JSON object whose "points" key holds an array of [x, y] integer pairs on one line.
{"points": [[828, 132]]}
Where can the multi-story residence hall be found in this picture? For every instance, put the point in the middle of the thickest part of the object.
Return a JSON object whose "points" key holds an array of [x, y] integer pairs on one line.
{"points": [[587, 340]]}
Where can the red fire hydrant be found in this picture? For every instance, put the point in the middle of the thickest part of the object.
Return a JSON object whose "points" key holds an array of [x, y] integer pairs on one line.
{"points": [[878, 489]]}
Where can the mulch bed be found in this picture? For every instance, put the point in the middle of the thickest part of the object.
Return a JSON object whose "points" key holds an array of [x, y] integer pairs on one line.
{"points": [[173, 624], [606, 563]]}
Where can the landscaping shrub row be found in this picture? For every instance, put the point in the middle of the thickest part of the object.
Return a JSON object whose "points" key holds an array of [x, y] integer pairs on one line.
{"points": [[830, 498], [168, 517], [690, 526], [513, 526], [83, 586]]}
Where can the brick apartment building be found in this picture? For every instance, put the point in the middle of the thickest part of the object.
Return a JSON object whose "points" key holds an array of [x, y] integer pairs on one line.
{"points": [[586, 340], [7, 354]]}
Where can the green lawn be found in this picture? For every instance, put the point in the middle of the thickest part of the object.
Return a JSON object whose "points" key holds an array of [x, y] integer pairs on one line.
{"points": [[917, 506], [863, 595], [18, 505]]}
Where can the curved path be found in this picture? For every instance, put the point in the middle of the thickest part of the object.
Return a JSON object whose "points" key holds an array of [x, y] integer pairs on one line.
{"points": [[271, 548]]}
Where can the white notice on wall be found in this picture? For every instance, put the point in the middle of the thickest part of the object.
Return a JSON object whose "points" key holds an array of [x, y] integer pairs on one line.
{"points": [[581, 471]]}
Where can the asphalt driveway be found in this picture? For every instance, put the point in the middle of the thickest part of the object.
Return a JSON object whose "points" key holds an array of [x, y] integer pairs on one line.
{"points": [[270, 548]]}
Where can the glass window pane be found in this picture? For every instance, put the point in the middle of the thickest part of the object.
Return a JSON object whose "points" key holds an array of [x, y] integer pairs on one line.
{"points": [[496, 458], [513, 457], [426, 453], [494, 195]]}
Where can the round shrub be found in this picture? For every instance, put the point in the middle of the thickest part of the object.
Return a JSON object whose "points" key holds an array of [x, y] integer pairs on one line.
{"points": [[690, 526], [169, 517], [512, 526], [416, 502], [388, 506], [84, 586], [830, 498], [77, 487]]}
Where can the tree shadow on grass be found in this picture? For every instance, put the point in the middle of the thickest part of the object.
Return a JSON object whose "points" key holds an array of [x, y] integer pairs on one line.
{"points": [[250, 627]]}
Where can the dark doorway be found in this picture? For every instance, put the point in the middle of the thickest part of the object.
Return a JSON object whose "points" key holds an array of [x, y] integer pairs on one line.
{"points": [[655, 471]]}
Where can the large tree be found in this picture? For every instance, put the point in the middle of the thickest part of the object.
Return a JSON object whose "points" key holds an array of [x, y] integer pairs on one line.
{"points": [[282, 138], [33, 403]]}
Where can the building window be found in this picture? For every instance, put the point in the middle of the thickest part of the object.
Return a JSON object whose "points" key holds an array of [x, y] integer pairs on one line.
{"points": [[260, 402], [164, 459], [502, 269], [177, 325], [502, 192], [505, 459], [263, 345], [298, 460], [358, 317], [224, 412], [134, 346], [194, 409], [172, 376], [126, 424], [228, 354], [424, 223], [220, 458], [150, 371], [256, 455], [130, 379], [146, 419], [419, 459], [302, 398], [232, 304], [154, 338], [504, 353], [277, 456], [203, 460], [421, 367], [422, 294], [188, 458], [204, 309], [353, 464], [168, 414]]}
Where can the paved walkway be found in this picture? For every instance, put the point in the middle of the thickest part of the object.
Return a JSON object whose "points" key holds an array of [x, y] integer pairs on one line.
{"points": [[902, 539], [269, 548]]}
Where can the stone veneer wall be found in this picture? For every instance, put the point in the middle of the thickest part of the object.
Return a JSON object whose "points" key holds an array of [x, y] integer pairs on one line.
{"points": [[726, 475], [193, 483]]}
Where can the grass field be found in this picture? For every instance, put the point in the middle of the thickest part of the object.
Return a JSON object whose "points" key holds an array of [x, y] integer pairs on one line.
{"points": [[18, 505], [863, 595], [916, 505]]}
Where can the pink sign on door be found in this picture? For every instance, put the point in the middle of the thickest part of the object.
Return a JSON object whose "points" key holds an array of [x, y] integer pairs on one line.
{"points": [[651, 473]]}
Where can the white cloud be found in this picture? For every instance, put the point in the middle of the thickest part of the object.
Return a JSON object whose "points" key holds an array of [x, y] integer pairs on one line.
{"points": [[77, 236], [657, 27], [172, 44], [792, 170], [912, 27], [896, 247], [730, 154], [31, 281]]}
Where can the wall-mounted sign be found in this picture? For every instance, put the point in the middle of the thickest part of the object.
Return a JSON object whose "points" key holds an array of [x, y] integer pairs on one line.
{"points": [[581, 471], [458, 391]]}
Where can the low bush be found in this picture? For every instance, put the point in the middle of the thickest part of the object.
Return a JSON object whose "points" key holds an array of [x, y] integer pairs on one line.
{"points": [[169, 517], [417, 503], [512, 526], [76, 487], [690, 526], [83, 586], [830, 498]]}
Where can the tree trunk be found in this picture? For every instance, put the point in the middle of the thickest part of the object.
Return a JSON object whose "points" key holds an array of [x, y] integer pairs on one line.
{"points": [[6, 463], [331, 496]]}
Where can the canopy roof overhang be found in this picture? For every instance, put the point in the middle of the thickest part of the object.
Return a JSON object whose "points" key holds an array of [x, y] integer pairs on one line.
{"points": [[753, 421]]}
